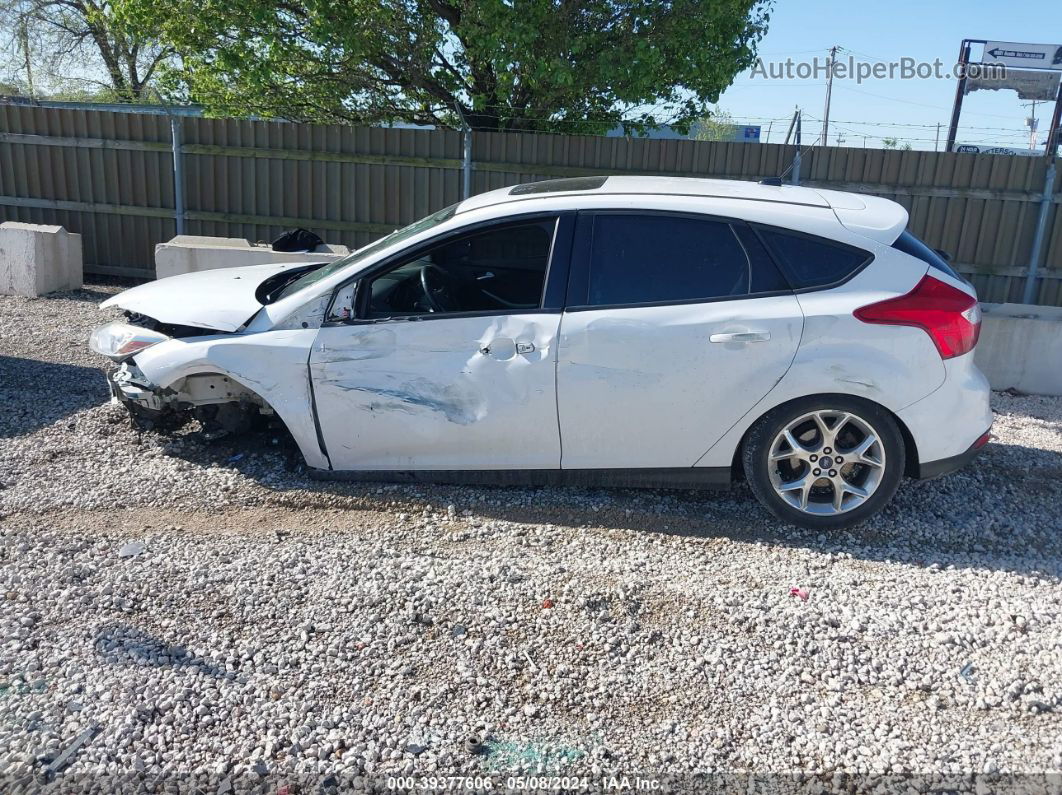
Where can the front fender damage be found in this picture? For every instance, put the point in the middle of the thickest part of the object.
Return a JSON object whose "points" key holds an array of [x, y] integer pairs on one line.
{"points": [[220, 403], [226, 379]]}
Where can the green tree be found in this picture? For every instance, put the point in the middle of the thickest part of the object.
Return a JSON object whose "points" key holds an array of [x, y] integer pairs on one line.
{"points": [[562, 65], [76, 48], [718, 126], [895, 143]]}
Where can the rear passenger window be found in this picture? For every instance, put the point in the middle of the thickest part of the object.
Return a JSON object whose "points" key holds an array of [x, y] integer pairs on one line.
{"points": [[641, 259], [812, 261]]}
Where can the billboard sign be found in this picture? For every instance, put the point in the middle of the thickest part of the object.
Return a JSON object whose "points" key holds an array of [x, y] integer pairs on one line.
{"points": [[982, 149], [1023, 56]]}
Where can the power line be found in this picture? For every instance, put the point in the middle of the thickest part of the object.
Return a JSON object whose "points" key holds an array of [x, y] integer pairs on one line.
{"points": [[919, 104], [868, 56], [929, 126]]}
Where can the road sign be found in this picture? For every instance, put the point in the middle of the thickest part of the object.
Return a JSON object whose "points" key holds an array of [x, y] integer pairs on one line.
{"points": [[1023, 56]]}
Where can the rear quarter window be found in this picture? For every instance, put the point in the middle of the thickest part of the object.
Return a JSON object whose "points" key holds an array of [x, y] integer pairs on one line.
{"points": [[909, 244], [809, 262]]}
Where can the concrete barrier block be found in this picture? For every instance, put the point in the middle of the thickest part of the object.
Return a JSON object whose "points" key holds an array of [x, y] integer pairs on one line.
{"points": [[192, 253], [36, 259], [1021, 348]]}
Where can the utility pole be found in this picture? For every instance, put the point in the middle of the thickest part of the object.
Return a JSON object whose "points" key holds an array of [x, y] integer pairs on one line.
{"points": [[1031, 123], [936, 141], [829, 93], [792, 126]]}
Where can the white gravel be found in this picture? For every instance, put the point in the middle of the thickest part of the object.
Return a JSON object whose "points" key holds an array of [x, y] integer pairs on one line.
{"points": [[210, 610]]}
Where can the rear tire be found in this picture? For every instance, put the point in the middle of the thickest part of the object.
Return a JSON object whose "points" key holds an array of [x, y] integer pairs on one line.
{"points": [[825, 462]]}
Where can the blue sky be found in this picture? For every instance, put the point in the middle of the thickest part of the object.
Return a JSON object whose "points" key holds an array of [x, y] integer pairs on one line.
{"points": [[802, 29]]}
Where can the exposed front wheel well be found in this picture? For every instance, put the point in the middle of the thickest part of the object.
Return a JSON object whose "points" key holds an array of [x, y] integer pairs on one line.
{"points": [[911, 459]]}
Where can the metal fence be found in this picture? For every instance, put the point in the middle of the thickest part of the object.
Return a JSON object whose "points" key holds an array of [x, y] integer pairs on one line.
{"points": [[110, 177]]}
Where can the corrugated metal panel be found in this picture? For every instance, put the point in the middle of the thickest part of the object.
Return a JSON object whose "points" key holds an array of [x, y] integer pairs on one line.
{"points": [[328, 192], [98, 176]]}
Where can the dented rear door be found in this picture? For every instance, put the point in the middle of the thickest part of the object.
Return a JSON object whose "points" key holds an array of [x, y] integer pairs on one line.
{"points": [[439, 393]]}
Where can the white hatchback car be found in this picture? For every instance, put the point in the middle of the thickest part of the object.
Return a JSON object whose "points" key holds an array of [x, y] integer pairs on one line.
{"points": [[626, 331]]}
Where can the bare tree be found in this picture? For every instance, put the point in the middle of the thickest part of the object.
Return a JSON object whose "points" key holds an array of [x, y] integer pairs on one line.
{"points": [[76, 46]]}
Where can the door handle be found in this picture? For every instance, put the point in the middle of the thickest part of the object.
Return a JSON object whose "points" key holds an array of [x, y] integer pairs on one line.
{"points": [[741, 336], [522, 348]]}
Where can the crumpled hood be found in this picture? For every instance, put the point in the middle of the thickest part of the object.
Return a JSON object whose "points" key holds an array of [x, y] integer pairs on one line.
{"points": [[222, 299]]}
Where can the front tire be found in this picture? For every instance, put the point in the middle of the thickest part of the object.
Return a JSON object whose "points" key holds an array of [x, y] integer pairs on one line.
{"points": [[825, 462]]}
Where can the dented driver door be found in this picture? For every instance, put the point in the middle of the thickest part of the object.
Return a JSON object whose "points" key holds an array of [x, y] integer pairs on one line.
{"points": [[444, 358], [439, 393]]}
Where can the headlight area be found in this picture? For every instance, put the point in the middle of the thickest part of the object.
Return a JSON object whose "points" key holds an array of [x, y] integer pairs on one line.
{"points": [[221, 405], [120, 340]]}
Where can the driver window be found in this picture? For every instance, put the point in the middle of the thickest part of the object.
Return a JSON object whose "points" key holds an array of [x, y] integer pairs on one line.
{"points": [[497, 269]]}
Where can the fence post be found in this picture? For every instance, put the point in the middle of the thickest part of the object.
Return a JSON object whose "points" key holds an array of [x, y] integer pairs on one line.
{"points": [[796, 157], [1038, 235], [178, 174], [466, 164]]}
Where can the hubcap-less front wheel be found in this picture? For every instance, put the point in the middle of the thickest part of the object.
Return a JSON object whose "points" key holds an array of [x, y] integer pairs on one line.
{"points": [[826, 462]]}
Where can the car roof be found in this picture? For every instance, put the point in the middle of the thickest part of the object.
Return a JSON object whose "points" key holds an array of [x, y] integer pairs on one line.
{"points": [[874, 217], [665, 186]]}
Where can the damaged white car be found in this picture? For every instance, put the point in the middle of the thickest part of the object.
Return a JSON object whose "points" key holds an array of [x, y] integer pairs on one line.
{"points": [[633, 331]]}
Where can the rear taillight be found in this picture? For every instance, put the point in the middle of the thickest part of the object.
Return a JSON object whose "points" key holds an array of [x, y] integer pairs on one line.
{"points": [[951, 317]]}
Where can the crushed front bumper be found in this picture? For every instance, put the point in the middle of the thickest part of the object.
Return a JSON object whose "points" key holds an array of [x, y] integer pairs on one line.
{"points": [[130, 386]]}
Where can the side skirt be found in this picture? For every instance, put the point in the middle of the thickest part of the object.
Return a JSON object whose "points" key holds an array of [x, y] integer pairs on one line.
{"points": [[675, 478]]}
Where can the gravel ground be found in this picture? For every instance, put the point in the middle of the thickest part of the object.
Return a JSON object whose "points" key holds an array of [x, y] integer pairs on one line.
{"points": [[174, 609]]}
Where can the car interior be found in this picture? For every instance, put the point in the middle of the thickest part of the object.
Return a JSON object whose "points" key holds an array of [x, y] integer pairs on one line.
{"points": [[497, 269]]}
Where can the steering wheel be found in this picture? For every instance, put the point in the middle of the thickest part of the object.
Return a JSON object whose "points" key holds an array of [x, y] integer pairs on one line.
{"points": [[437, 286]]}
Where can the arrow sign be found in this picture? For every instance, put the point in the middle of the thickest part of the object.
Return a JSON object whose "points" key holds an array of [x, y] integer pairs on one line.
{"points": [[1023, 56], [999, 53]]}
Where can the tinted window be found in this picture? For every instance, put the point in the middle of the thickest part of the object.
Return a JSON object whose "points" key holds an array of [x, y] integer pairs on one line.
{"points": [[497, 269], [909, 244], [812, 261], [639, 259], [766, 278]]}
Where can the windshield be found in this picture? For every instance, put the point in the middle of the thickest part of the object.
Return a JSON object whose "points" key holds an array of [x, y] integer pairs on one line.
{"points": [[395, 237]]}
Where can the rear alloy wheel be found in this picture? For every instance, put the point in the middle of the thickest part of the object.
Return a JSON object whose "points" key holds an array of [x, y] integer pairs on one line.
{"points": [[826, 462]]}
